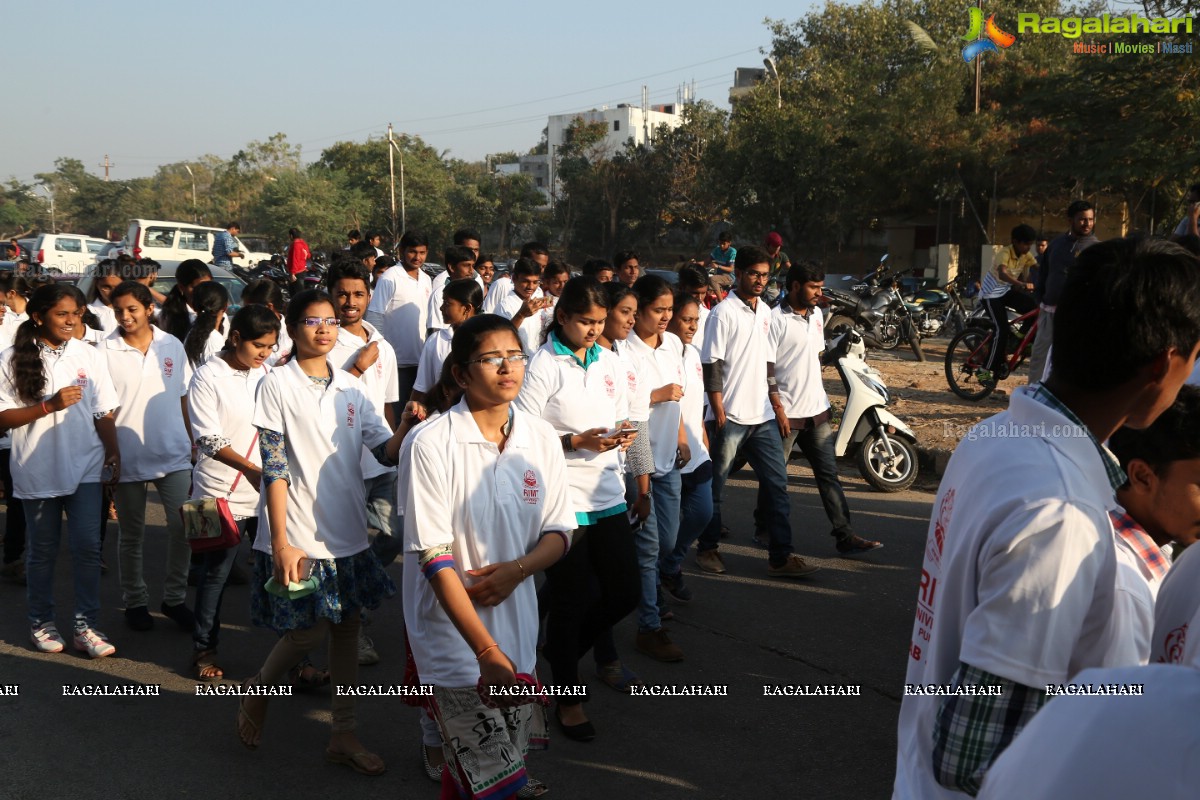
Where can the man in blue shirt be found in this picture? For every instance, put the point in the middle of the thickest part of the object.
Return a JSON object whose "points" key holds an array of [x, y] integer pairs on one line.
{"points": [[225, 247]]}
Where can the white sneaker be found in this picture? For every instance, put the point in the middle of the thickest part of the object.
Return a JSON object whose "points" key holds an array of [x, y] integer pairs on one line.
{"points": [[94, 643], [46, 638], [367, 654]]}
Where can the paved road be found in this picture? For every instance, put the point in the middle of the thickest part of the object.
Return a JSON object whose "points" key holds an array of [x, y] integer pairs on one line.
{"points": [[848, 625]]}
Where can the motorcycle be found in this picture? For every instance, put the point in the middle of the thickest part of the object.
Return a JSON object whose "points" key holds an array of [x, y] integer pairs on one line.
{"points": [[875, 309], [884, 448], [938, 311], [273, 269]]}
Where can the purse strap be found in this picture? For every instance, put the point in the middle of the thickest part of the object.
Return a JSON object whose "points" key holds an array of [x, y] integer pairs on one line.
{"points": [[253, 442]]}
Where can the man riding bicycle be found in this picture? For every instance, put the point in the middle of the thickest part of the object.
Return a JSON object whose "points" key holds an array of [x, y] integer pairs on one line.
{"points": [[1007, 285]]}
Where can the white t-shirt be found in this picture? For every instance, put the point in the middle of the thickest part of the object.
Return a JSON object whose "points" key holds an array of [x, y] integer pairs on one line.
{"points": [[1176, 612], [438, 286], [221, 403], [214, 344], [325, 429], [433, 355], [795, 348], [692, 408], [492, 507], [698, 338], [573, 400], [657, 367], [500, 289], [637, 390], [1116, 746], [283, 346], [739, 336], [8, 328], [399, 307], [1016, 583], [54, 454], [380, 381], [108, 319], [153, 438], [531, 328], [1133, 606]]}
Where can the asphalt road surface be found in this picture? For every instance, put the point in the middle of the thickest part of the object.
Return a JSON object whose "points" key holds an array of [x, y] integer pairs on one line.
{"points": [[847, 626]]}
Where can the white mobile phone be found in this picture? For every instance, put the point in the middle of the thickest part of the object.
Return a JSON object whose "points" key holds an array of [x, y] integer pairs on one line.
{"points": [[618, 432]]}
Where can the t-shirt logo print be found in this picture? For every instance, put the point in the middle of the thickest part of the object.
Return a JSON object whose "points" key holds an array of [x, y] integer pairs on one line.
{"points": [[1173, 645], [81, 379], [530, 489], [349, 415], [609, 386], [168, 366]]}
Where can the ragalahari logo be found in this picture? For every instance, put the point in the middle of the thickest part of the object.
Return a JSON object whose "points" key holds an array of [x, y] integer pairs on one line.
{"points": [[994, 38]]}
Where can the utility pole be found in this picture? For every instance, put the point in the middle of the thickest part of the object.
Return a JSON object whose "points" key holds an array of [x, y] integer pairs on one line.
{"points": [[392, 179], [106, 166], [393, 145], [773, 73], [978, 68]]}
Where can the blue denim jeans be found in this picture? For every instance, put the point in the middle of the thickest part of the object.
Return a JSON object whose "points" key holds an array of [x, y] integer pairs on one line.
{"points": [[817, 445], [761, 446], [43, 532], [695, 512], [653, 539], [214, 567], [388, 544]]}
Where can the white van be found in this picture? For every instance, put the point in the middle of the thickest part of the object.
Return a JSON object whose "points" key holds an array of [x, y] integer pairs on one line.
{"points": [[163, 240], [66, 252]]}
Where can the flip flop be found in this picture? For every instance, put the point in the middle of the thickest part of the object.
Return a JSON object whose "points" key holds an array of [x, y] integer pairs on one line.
{"points": [[244, 717], [533, 788], [360, 762]]}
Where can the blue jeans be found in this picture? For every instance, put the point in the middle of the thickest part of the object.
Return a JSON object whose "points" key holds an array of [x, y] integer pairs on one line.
{"points": [[817, 445], [210, 589], [388, 544], [44, 530], [654, 539], [761, 446], [695, 512]]}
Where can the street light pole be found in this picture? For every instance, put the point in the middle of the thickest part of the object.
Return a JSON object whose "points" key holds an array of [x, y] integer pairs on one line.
{"points": [[53, 220], [773, 72]]}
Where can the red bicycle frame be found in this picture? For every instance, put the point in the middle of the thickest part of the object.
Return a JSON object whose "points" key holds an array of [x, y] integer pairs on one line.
{"points": [[985, 347]]}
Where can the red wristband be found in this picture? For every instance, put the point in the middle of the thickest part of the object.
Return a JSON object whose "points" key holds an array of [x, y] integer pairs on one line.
{"points": [[45, 410]]}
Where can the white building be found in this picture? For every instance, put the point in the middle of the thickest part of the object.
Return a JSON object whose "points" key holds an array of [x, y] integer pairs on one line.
{"points": [[622, 123]]}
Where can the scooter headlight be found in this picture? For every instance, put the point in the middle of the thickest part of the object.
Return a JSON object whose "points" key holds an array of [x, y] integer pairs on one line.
{"points": [[875, 386]]}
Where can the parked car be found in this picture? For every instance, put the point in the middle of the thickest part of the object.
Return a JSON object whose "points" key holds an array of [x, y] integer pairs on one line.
{"points": [[166, 282], [111, 250], [66, 252], [163, 240]]}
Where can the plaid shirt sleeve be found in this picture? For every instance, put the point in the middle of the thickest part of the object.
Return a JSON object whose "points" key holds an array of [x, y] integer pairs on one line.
{"points": [[973, 730]]}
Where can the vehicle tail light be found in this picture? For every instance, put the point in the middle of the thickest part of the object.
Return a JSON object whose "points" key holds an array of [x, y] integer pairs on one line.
{"points": [[41, 256], [137, 248]]}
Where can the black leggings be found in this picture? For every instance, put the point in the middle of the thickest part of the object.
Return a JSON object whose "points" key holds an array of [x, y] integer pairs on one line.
{"points": [[14, 516], [594, 587], [1020, 302]]}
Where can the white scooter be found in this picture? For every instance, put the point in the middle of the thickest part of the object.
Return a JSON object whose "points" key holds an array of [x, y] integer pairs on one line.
{"points": [[885, 448]]}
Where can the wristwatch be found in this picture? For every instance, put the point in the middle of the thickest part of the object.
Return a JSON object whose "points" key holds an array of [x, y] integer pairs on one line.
{"points": [[566, 443]]}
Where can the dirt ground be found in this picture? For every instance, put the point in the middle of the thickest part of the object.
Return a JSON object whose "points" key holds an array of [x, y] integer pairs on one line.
{"points": [[922, 397]]}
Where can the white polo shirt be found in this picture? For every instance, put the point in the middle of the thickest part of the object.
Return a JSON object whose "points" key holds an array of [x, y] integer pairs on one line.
{"points": [[433, 355], [1017, 583], [700, 324], [399, 307], [380, 381], [574, 399], [692, 408], [739, 336], [657, 367], [500, 289], [1116, 746], [54, 454], [150, 430], [214, 344], [325, 429], [105, 314], [221, 403], [637, 390], [438, 286], [531, 329], [1176, 638], [492, 507], [795, 348]]}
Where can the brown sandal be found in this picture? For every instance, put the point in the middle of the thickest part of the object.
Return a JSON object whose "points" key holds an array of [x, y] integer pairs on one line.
{"points": [[253, 728], [206, 666]]}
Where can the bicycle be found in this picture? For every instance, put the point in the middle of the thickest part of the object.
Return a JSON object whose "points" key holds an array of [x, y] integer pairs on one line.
{"points": [[967, 355]]}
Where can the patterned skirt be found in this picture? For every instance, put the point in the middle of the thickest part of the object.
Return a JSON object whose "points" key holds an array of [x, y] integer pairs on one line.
{"points": [[344, 585]]}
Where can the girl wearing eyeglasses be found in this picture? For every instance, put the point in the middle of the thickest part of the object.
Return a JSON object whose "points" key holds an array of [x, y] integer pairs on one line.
{"points": [[313, 420], [487, 508]]}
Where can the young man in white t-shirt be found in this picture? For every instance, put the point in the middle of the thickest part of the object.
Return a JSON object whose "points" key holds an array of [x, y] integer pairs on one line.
{"points": [[1159, 504], [460, 265], [1017, 585], [400, 307], [735, 356], [529, 311], [798, 398]]}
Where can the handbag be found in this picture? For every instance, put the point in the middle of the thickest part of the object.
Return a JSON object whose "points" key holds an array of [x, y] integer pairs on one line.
{"points": [[208, 524]]}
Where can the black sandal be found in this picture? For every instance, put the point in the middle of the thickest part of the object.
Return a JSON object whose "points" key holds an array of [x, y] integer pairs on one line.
{"points": [[206, 666]]}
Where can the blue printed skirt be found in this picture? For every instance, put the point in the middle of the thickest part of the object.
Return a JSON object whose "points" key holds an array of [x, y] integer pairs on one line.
{"points": [[345, 585]]}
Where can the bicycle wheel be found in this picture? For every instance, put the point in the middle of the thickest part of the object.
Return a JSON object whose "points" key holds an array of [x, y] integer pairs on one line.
{"points": [[965, 356]]}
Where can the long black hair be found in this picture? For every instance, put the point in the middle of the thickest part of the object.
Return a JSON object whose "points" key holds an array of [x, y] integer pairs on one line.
{"points": [[578, 296], [108, 268], [174, 318], [28, 373], [250, 323], [210, 299], [263, 292]]}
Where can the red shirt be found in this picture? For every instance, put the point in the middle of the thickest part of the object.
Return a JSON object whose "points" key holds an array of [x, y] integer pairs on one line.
{"points": [[297, 256]]}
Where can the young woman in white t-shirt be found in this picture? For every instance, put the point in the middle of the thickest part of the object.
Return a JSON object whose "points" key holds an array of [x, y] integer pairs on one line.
{"points": [[14, 290], [58, 401], [313, 420], [487, 508], [461, 300], [99, 296], [265, 292], [580, 388], [205, 339], [175, 316], [220, 406]]}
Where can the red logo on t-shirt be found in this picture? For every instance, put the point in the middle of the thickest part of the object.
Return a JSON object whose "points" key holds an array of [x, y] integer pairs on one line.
{"points": [[530, 492], [168, 366], [1173, 645], [631, 379], [939, 527], [81, 378], [350, 415], [609, 386]]}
